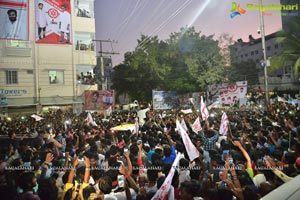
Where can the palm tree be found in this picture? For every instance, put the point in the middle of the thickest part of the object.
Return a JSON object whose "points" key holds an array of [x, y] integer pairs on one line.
{"points": [[290, 39]]}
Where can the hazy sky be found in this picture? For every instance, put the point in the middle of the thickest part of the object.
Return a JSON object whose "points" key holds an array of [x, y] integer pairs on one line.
{"points": [[125, 20]]}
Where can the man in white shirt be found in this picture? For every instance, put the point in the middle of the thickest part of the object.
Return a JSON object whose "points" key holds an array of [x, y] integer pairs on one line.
{"points": [[41, 21], [13, 27], [64, 24]]}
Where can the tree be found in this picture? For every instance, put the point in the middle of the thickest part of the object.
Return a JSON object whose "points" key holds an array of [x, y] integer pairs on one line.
{"points": [[290, 56], [196, 61], [186, 62], [243, 71], [142, 70]]}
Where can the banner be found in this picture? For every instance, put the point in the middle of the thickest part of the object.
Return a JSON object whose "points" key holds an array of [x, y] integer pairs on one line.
{"points": [[14, 17], [191, 150], [196, 126], [204, 111], [164, 100], [90, 121], [98, 99], [227, 94], [224, 124], [53, 22]]}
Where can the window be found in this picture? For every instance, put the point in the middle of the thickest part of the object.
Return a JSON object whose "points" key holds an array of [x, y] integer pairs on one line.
{"points": [[268, 48], [252, 53], [246, 55], [256, 52], [56, 77], [84, 8], [11, 77], [276, 46], [85, 74], [84, 41]]}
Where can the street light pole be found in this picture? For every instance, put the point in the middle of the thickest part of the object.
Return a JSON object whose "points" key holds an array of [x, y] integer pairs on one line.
{"points": [[263, 42], [101, 52]]}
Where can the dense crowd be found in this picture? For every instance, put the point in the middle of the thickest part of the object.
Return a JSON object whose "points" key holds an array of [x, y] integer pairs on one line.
{"points": [[63, 156]]}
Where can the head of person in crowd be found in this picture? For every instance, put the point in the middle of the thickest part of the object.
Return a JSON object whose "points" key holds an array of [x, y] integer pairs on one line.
{"points": [[27, 181], [47, 189], [93, 157], [265, 188], [142, 180], [105, 185], [189, 189]]}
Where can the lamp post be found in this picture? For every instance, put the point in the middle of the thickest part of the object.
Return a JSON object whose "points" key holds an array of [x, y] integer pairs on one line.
{"points": [[263, 42]]}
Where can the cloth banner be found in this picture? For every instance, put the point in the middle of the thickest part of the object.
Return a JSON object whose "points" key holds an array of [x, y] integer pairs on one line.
{"points": [[165, 187], [204, 111], [224, 124], [90, 121], [197, 125], [191, 150]]}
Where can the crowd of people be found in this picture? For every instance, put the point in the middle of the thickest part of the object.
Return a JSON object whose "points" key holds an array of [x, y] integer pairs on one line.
{"points": [[62, 156]]}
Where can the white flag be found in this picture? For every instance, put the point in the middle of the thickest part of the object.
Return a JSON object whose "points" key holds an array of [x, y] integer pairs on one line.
{"points": [[215, 104], [109, 111], [197, 125], [281, 99], [224, 124], [90, 121], [187, 111], [204, 111], [183, 124], [136, 126], [36, 117], [165, 187], [191, 150]]}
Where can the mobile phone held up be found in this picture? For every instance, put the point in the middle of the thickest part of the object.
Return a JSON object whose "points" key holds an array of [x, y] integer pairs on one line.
{"points": [[121, 181]]}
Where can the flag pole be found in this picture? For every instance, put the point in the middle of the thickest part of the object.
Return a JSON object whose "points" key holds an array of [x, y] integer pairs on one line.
{"points": [[231, 137]]}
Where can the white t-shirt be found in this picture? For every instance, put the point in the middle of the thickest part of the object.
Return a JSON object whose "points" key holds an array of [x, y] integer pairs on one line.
{"points": [[41, 18], [15, 31], [65, 21], [122, 195]]}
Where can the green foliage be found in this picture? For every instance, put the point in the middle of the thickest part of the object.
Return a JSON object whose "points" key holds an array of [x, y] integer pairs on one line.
{"points": [[290, 56], [186, 62], [243, 71]]}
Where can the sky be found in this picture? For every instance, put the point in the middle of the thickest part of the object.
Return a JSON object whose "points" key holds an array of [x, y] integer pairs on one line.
{"points": [[125, 20]]}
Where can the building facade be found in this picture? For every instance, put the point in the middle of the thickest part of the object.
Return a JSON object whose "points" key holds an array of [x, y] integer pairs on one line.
{"points": [[48, 67], [282, 79]]}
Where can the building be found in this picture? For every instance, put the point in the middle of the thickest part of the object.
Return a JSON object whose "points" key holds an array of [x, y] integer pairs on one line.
{"points": [[47, 68], [252, 50]]}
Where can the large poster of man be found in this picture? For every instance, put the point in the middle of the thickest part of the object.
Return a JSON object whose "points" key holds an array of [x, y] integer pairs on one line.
{"points": [[98, 99], [53, 22], [14, 19]]}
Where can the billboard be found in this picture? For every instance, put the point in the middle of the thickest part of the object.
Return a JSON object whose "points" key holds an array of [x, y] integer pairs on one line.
{"points": [[227, 94], [98, 99], [53, 22], [14, 17], [164, 100]]}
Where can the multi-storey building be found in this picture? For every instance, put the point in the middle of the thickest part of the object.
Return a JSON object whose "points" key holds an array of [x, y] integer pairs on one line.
{"points": [[252, 50], [47, 67]]}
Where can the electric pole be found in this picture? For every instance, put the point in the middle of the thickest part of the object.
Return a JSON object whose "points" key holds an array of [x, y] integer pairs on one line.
{"points": [[265, 62], [101, 53]]}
